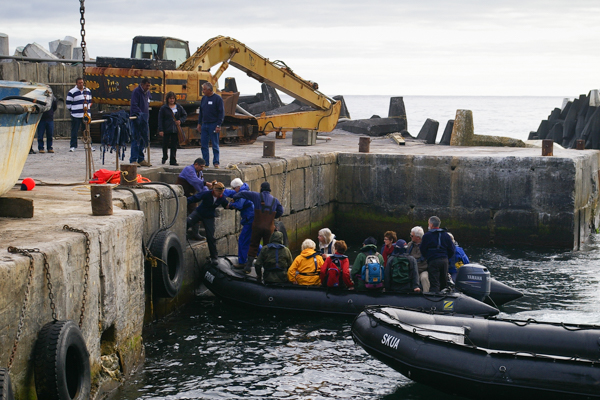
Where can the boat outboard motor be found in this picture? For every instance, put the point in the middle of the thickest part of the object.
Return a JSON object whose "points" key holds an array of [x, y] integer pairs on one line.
{"points": [[474, 281]]}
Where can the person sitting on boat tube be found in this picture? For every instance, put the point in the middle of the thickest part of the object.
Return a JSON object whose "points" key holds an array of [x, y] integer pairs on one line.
{"points": [[369, 248], [413, 248], [306, 267], [437, 247], [205, 212], [326, 242], [246, 208], [401, 271], [389, 239], [458, 259], [275, 259], [335, 271]]}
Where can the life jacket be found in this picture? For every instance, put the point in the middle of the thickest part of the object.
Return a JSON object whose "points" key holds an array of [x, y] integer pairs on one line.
{"points": [[275, 246], [103, 176], [372, 272], [316, 271], [333, 273]]}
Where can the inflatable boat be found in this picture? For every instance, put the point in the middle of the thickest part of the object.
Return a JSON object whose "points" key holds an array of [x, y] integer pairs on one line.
{"points": [[234, 286], [474, 280], [485, 358]]}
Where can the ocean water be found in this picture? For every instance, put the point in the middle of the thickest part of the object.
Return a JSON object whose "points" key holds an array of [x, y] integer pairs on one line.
{"points": [[211, 350]]}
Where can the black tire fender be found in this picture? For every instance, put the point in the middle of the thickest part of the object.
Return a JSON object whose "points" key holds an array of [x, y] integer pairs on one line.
{"points": [[6, 392], [62, 363], [167, 278]]}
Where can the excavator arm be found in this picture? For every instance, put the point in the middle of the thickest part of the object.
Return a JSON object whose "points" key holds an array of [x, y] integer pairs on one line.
{"points": [[229, 51]]}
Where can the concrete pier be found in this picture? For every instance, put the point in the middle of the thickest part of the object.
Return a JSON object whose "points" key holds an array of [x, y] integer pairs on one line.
{"points": [[482, 194]]}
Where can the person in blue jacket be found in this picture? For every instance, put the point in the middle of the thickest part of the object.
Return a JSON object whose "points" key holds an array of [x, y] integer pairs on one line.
{"points": [[437, 247], [266, 209], [205, 212], [210, 119], [246, 208], [458, 260]]}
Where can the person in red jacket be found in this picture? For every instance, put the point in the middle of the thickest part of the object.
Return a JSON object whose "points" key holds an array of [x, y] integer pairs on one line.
{"points": [[389, 239], [336, 262]]}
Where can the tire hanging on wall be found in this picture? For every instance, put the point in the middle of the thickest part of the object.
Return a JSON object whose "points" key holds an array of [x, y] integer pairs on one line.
{"points": [[62, 363], [167, 278], [6, 392]]}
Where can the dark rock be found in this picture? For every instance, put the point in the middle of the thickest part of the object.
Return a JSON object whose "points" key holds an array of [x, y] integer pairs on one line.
{"points": [[397, 108], [375, 116], [259, 108], [248, 99], [429, 131], [230, 85], [532, 135], [407, 135], [591, 131], [290, 108], [565, 111], [344, 113], [554, 115], [447, 135], [270, 95], [370, 127], [556, 132], [570, 123], [543, 129]]}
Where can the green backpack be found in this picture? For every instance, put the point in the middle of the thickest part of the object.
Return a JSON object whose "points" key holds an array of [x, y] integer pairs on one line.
{"points": [[400, 269]]}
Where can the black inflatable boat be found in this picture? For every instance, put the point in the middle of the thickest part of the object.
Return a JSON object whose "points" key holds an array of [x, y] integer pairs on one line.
{"points": [[485, 358], [232, 285], [474, 280]]}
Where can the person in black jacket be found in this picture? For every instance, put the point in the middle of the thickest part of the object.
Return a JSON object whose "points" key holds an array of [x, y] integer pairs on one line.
{"points": [[170, 117], [401, 272], [205, 212], [437, 247]]}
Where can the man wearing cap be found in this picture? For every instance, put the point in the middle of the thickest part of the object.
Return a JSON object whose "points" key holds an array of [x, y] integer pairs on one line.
{"points": [[266, 209], [246, 208], [401, 271], [205, 212]]}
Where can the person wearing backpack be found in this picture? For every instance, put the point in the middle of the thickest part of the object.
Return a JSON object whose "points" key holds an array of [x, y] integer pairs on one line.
{"points": [[335, 271], [306, 267], [437, 247], [275, 259], [458, 260], [401, 271], [369, 250]]}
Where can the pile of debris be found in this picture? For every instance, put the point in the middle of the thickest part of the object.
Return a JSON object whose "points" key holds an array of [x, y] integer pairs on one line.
{"points": [[577, 119], [65, 49]]}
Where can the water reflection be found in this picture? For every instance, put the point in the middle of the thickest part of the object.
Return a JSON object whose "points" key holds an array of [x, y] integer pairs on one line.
{"points": [[212, 350]]}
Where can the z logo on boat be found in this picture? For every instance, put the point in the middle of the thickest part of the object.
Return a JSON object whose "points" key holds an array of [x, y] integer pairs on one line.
{"points": [[390, 341], [448, 305], [209, 277]]}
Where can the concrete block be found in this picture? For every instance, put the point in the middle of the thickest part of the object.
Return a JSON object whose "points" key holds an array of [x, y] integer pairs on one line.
{"points": [[447, 135], [53, 45], [344, 113], [428, 132], [64, 50], [4, 44], [19, 51], [304, 137], [224, 222], [297, 189], [373, 127], [35, 50], [463, 134], [289, 222]]}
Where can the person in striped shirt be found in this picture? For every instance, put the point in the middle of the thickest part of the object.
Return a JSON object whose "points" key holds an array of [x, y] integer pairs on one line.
{"points": [[75, 102]]}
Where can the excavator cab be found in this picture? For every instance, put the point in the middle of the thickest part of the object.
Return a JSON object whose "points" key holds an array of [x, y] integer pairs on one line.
{"points": [[160, 48]]}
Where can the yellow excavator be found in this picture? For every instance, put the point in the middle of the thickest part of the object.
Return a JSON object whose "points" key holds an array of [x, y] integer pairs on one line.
{"points": [[166, 62]]}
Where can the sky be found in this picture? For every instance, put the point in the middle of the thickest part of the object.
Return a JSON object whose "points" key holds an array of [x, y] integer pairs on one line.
{"points": [[383, 47]]}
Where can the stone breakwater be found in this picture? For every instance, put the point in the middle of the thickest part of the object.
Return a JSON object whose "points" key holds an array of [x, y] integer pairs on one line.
{"points": [[486, 195]]}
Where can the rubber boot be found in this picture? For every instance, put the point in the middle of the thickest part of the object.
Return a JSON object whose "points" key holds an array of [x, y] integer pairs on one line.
{"points": [[258, 274], [248, 267]]}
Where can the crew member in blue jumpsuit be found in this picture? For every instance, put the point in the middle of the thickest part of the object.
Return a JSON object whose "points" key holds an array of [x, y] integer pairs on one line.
{"points": [[212, 114], [246, 208]]}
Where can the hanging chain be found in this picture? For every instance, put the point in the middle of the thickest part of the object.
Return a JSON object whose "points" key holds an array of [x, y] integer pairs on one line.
{"points": [[161, 213], [87, 270], [82, 22], [86, 139], [284, 180]]}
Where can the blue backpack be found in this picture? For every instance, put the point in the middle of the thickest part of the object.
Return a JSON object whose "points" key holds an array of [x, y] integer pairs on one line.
{"points": [[372, 272]]}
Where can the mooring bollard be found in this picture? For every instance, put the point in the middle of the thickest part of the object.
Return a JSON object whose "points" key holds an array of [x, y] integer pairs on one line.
{"points": [[580, 144], [269, 148], [102, 199], [128, 175], [547, 147], [364, 143]]}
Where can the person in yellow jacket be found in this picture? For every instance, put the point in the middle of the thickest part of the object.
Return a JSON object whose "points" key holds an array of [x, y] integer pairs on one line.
{"points": [[305, 268]]}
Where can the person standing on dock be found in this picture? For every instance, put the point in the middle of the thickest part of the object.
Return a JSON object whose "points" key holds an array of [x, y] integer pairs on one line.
{"points": [[246, 208], [140, 131], [76, 99], [212, 114], [170, 117], [266, 209], [437, 247], [46, 125]]}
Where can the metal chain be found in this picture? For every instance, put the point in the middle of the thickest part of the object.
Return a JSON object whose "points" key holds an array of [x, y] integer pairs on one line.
{"points": [[161, 213], [284, 180], [49, 283], [27, 253], [82, 22], [86, 139], [87, 270]]}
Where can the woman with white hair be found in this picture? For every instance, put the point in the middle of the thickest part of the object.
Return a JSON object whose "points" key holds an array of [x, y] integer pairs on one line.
{"points": [[326, 242], [306, 267]]}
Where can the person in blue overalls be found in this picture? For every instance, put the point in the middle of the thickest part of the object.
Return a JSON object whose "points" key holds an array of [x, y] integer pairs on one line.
{"points": [[210, 119], [246, 208]]}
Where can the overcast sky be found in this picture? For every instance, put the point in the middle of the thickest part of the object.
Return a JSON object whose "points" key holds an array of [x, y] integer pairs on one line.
{"points": [[388, 47]]}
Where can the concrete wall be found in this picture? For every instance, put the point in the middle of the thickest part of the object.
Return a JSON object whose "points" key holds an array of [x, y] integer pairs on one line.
{"points": [[540, 201]]}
